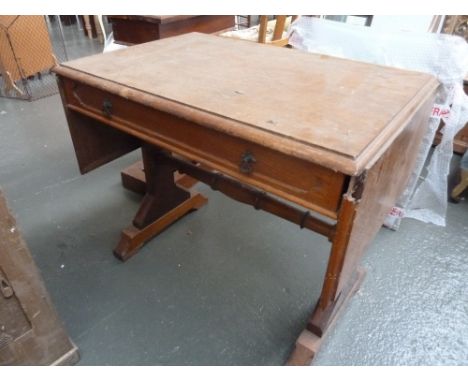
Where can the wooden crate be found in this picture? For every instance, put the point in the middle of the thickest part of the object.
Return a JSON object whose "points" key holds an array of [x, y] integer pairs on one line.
{"points": [[30, 330]]}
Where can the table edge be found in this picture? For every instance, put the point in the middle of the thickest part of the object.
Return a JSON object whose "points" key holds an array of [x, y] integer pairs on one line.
{"points": [[325, 157]]}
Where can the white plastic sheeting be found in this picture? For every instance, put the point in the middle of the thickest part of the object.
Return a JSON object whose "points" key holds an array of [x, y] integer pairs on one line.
{"points": [[110, 45], [444, 56]]}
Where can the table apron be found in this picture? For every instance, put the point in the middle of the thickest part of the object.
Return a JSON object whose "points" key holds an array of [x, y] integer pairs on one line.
{"points": [[305, 183]]}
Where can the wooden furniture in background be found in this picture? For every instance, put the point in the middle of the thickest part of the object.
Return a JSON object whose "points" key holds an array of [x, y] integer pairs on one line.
{"points": [[272, 32], [457, 25], [30, 330], [460, 141], [25, 48], [66, 20], [277, 38], [91, 27], [301, 138], [129, 30], [244, 21]]}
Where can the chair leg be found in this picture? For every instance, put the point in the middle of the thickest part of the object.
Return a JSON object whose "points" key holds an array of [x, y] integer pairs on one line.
{"points": [[460, 187]]}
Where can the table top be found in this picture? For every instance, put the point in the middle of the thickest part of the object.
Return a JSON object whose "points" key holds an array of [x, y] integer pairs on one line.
{"points": [[335, 112]]}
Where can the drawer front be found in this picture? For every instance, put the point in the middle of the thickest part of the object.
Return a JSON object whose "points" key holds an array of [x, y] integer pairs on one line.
{"points": [[305, 183]]}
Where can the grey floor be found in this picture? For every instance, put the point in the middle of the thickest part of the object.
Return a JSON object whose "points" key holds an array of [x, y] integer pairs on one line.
{"points": [[226, 285]]}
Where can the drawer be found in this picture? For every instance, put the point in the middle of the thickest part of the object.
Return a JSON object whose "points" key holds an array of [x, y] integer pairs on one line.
{"points": [[305, 183]]}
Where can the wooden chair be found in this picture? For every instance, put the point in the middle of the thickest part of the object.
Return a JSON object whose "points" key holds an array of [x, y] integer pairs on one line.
{"points": [[280, 27], [108, 40], [266, 32]]}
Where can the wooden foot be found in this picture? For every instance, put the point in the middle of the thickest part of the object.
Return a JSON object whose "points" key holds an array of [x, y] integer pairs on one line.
{"points": [[132, 238], [308, 343]]}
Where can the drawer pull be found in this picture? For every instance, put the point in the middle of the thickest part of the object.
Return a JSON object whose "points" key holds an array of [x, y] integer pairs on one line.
{"points": [[247, 162], [107, 108]]}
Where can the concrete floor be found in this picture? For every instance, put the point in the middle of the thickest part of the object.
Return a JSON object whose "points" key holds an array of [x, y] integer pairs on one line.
{"points": [[226, 285]]}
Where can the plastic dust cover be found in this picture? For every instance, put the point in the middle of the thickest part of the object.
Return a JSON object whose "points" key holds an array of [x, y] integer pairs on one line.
{"points": [[445, 57]]}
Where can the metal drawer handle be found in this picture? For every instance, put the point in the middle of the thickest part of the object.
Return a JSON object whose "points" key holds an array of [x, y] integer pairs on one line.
{"points": [[107, 108], [247, 162]]}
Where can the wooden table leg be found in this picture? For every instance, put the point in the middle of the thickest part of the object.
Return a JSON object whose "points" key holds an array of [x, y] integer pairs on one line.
{"points": [[87, 26], [133, 178], [362, 212], [327, 303], [332, 298], [324, 316], [460, 188], [164, 203], [308, 343]]}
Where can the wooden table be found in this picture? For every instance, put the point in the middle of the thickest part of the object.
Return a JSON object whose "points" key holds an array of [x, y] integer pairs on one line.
{"points": [[129, 30], [325, 143]]}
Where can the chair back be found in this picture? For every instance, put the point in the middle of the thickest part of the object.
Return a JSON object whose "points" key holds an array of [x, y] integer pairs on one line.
{"points": [[277, 38]]}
